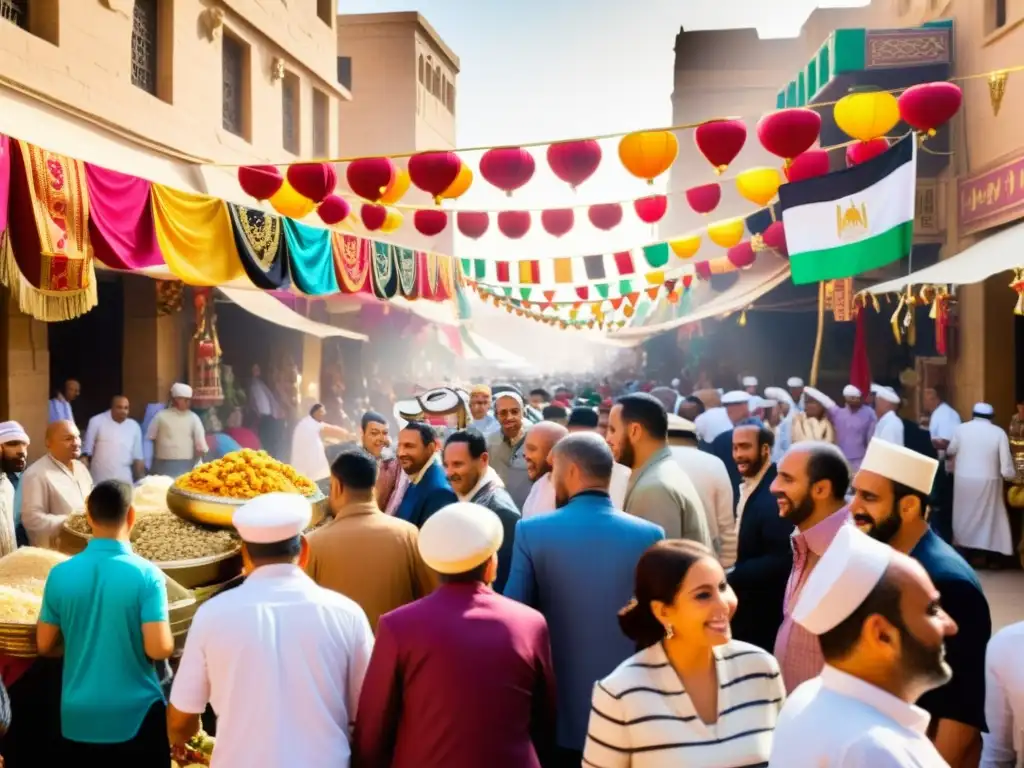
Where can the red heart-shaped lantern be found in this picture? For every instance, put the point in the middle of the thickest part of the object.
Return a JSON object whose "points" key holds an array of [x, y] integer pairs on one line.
{"points": [[557, 221], [775, 238], [507, 168], [333, 210], [373, 216], [605, 216], [370, 177], [789, 132], [472, 224], [514, 224], [720, 141], [314, 181], [434, 172], [807, 165], [705, 198], [652, 209], [260, 181], [927, 106], [862, 151], [574, 161], [430, 221], [741, 256]]}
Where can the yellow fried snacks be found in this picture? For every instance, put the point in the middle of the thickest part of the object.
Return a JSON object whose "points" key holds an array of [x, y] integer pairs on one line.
{"points": [[245, 474], [22, 578]]}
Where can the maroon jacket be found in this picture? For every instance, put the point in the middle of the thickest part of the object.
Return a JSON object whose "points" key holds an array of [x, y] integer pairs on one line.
{"points": [[459, 679]]}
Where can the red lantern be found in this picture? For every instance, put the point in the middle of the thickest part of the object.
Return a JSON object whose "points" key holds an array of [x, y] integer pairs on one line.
{"points": [[558, 221], [705, 198], [370, 177], [430, 221], [688, 281], [472, 224], [314, 181], [703, 270], [514, 224], [574, 161], [333, 210], [651, 210], [862, 151], [927, 106], [373, 216], [507, 168], [720, 141], [789, 132], [807, 165], [260, 181], [775, 238], [434, 172], [741, 256], [605, 215]]}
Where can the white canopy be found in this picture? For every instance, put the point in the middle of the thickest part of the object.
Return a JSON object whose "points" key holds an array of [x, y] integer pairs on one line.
{"points": [[265, 306]]}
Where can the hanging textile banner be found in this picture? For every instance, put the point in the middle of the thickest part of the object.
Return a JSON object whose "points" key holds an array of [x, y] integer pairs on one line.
{"points": [[121, 220], [406, 259], [352, 263], [5, 179], [46, 262], [426, 275], [446, 268], [195, 237], [383, 271], [260, 241], [310, 258]]}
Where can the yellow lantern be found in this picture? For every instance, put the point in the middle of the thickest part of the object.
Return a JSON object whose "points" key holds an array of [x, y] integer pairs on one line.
{"points": [[393, 220], [721, 266], [759, 185], [726, 233], [399, 186], [461, 185], [290, 203], [648, 154], [867, 115], [685, 247]]}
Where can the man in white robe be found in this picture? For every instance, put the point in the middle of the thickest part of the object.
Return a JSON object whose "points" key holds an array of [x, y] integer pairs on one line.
{"points": [[889, 426], [796, 391], [983, 462]]}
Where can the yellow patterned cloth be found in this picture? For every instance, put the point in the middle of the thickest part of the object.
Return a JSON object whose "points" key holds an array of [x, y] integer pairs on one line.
{"points": [[195, 237]]}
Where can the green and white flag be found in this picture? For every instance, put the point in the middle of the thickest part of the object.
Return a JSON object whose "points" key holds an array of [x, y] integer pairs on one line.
{"points": [[852, 221]]}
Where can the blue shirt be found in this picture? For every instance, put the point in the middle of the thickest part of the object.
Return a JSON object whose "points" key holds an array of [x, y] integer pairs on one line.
{"points": [[60, 410], [100, 599]]}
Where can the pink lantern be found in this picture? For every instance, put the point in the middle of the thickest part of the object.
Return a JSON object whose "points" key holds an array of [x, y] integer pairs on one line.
{"points": [[574, 161], [862, 151], [557, 221], [705, 198], [514, 224], [333, 210], [605, 216], [703, 270], [808, 165], [927, 106], [373, 216], [720, 141], [652, 209], [775, 238], [314, 181], [789, 132], [260, 181], [430, 221], [370, 177], [507, 168], [473, 224], [434, 172], [741, 256]]}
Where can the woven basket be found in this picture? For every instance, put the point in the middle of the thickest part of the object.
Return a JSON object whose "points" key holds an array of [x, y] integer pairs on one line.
{"points": [[18, 640]]}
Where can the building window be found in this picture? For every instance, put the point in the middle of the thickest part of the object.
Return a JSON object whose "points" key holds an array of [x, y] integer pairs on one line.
{"points": [[235, 66], [325, 10], [437, 81], [40, 18], [144, 45], [15, 11], [345, 71], [290, 113], [1000, 14], [321, 124], [451, 99], [421, 70]]}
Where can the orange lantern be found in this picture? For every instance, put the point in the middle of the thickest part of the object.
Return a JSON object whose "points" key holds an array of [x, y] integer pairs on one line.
{"points": [[397, 188], [648, 154], [461, 185]]}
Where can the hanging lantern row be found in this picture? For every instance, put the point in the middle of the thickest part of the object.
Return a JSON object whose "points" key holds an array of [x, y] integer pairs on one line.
{"points": [[869, 115]]}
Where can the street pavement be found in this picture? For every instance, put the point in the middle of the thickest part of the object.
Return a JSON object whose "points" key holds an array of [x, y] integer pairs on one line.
{"points": [[1004, 590]]}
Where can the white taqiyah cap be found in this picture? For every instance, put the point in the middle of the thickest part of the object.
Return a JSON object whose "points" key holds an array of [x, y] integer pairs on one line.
{"points": [[794, 382], [875, 387], [778, 394], [512, 395], [888, 394], [679, 425], [181, 390], [720, 391], [459, 537], [983, 409], [675, 383], [901, 465], [851, 567], [273, 517], [851, 391], [819, 396], [760, 403], [13, 432], [736, 397], [749, 381]]}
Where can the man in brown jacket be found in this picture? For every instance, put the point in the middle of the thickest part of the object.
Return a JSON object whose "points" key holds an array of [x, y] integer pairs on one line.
{"points": [[364, 554]]}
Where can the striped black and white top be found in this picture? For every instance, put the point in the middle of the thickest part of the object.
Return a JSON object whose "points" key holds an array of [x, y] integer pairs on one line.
{"points": [[642, 718]]}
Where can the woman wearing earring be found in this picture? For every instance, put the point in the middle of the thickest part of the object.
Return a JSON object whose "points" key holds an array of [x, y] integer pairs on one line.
{"points": [[692, 696]]}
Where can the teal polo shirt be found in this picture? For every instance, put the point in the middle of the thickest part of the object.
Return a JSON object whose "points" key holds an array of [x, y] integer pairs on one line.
{"points": [[100, 599]]}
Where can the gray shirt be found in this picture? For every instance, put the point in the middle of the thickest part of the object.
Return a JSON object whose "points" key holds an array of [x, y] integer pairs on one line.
{"points": [[510, 464]]}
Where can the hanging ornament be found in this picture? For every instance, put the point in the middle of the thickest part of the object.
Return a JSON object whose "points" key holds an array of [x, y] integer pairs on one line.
{"points": [[742, 322], [705, 198], [370, 177], [673, 297], [720, 141], [862, 151], [514, 224], [392, 221], [605, 216], [686, 282], [398, 187], [430, 222], [651, 210], [373, 216], [461, 185], [789, 132], [775, 238], [333, 210], [1017, 285], [742, 256], [759, 185], [726, 233], [866, 115], [997, 90], [685, 247], [507, 168], [313, 180], [290, 203], [574, 161], [473, 224], [260, 181], [808, 165], [557, 221], [928, 106], [434, 172], [703, 270], [628, 310], [648, 154]]}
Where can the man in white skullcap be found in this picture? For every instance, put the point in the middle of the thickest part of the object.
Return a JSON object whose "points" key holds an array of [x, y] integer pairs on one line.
{"points": [[890, 503], [461, 678], [812, 421], [750, 384], [796, 390], [877, 618], [713, 419], [889, 426], [854, 425], [280, 659], [14, 444], [179, 440], [983, 462], [782, 420]]}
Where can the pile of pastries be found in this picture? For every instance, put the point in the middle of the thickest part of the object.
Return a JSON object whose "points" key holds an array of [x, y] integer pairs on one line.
{"points": [[22, 579], [245, 474]]}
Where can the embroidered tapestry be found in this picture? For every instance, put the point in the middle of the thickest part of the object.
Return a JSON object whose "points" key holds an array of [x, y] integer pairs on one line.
{"points": [[260, 241]]}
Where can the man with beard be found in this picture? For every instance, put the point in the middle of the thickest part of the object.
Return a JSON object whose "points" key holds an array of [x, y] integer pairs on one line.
{"points": [[375, 439], [14, 444], [658, 489], [810, 488], [576, 565], [539, 442], [506, 447], [890, 504], [468, 468], [881, 628], [428, 489]]}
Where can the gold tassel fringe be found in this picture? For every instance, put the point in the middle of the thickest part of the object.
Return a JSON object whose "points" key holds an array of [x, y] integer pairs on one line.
{"points": [[48, 306]]}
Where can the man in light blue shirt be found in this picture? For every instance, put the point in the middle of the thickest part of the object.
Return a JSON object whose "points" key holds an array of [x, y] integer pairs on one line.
{"points": [[60, 406], [105, 609]]}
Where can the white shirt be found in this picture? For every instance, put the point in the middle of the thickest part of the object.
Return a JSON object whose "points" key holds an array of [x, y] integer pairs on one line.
{"points": [[1004, 699], [890, 428], [282, 661], [308, 454], [49, 493], [943, 422], [712, 423], [839, 721], [113, 447], [711, 479], [619, 484], [542, 497], [982, 451], [177, 435], [263, 400]]}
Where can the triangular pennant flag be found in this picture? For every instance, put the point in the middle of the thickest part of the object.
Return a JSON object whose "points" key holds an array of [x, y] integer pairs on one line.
{"points": [[467, 265], [602, 290], [549, 295], [563, 270], [502, 272], [632, 297], [507, 290], [573, 313], [624, 263], [526, 304], [479, 269], [625, 286], [594, 266], [652, 292], [583, 291], [616, 302], [525, 293], [595, 307], [670, 285]]}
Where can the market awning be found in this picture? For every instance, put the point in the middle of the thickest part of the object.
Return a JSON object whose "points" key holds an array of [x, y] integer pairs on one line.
{"points": [[493, 353], [265, 306], [996, 253]]}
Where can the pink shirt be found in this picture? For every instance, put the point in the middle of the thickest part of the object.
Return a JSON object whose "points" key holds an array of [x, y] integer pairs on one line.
{"points": [[797, 650]]}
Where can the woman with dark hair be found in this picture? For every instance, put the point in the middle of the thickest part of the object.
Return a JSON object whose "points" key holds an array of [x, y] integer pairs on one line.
{"points": [[692, 696]]}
